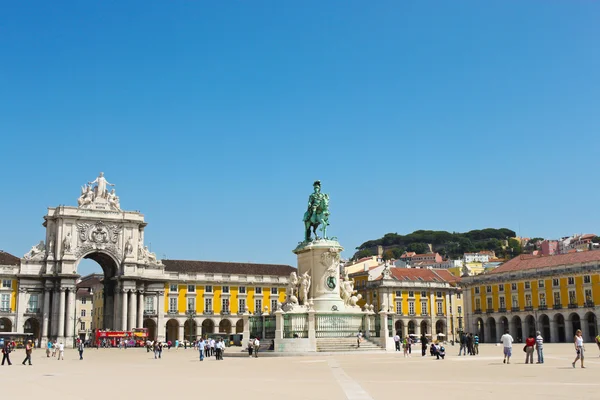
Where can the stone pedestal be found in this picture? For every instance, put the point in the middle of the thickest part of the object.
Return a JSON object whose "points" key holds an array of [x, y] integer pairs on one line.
{"points": [[320, 259]]}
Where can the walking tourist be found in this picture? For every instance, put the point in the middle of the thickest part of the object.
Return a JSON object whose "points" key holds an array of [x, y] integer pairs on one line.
{"points": [[470, 344], [539, 346], [256, 345], [397, 341], [80, 347], [423, 345], [54, 348], [220, 349], [201, 345], [176, 344], [28, 351], [406, 345], [476, 344], [529, 346], [157, 349], [507, 342], [578, 341], [48, 348], [359, 336], [212, 347], [61, 351], [410, 342], [6, 350]]}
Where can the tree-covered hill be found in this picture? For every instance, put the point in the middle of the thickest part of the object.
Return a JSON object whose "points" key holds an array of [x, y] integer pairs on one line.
{"points": [[451, 245]]}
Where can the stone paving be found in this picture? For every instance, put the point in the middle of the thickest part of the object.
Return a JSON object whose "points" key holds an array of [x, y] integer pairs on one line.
{"points": [[134, 374]]}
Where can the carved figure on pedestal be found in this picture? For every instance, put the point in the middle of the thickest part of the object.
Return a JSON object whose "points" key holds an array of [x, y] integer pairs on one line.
{"points": [[87, 196], [113, 200], [128, 247], [292, 289], [36, 251], [100, 188], [303, 288], [67, 243], [51, 245], [317, 213]]}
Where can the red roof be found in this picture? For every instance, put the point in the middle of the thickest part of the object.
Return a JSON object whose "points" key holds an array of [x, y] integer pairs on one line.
{"points": [[420, 275], [9, 259], [524, 262]]}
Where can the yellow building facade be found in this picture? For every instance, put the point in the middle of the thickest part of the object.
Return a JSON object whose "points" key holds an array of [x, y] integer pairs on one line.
{"points": [[8, 293], [421, 301], [555, 295]]}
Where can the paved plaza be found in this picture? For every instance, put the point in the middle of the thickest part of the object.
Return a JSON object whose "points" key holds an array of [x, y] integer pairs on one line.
{"points": [[133, 373]]}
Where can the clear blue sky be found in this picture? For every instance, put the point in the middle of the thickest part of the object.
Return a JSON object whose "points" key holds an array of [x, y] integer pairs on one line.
{"points": [[214, 118]]}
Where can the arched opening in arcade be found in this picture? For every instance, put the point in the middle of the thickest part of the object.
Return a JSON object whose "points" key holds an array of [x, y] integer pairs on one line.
{"points": [[411, 327], [208, 327], [491, 333], [480, 330], [425, 328], [32, 327], [172, 329], [559, 319], [239, 326], [5, 325], [516, 329], [575, 324], [399, 327], [150, 325], [440, 330], [544, 328], [530, 326], [591, 321], [502, 325], [225, 326], [189, 330]]}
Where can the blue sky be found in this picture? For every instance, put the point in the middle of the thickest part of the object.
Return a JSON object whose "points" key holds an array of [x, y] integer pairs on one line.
{"points": [[214, 118]]}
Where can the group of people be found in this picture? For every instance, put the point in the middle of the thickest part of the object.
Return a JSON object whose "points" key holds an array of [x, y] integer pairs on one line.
{"points": [[53, 347], [253, 346], [9, 347], [532, 343], [469, 344]]}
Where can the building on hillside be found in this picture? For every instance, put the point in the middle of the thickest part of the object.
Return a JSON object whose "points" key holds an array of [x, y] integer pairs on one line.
{"points": [[549, 248], [364, 264], [98, 306], [84, 306], [555, 295], [412, 257], [479, 257], [420, 300], [9, 267], [581, 242]]}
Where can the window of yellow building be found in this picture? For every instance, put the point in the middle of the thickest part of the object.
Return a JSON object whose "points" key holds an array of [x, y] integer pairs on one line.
{"points": [[399, 307], [258, 290], [502, 303], [411, 308], [423, 294], [6, 283], [173, 288], [225, 289], [191, 304], [225, 305], [528, 300], [501, 287], [477, 304], [440, 308], [555, 282], [571, 280], [274, 290], [489, 304], [242, 305], [423, 308], [477, 290], [398, 293], [572, 297], [242, 289], [208, 305], [488, 289], [588, 295], [527, 285], [541, 283], [208, 289], [173, 304], [542, 299], [191, 288], [515, 301], [587, 279], [411, 293], [258, 305], [273, 305], [513, 286], [557, 299]]}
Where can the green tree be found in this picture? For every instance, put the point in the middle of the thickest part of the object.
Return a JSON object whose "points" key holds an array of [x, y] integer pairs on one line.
{"points": [[515, 247], [363, 253], [419, 248]]}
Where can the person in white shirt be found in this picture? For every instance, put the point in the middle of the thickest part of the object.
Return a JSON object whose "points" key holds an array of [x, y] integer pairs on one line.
{"points": [[256, 346], [579, 349], [539, 345], [397, 341], [201, 346], [507, 342], [61, 351]]}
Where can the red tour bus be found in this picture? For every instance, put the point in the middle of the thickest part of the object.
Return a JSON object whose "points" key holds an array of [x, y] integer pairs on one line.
{"points": [[135, 337]]}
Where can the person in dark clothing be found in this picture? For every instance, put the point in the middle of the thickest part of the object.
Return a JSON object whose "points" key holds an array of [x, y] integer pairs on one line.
{"points": [[463, 345], [423, 345], [28, 350], [6, 350], [470, 344]]}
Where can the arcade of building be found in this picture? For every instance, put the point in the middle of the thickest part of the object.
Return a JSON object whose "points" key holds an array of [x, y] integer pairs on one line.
{"points": [[556, 295]]}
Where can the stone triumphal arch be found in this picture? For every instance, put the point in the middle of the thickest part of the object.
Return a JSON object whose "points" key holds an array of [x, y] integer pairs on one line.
{"points": [[96, 229]]}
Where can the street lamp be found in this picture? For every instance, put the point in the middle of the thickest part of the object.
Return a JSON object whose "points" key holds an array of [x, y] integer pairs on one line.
{"points": [[191, 315]]}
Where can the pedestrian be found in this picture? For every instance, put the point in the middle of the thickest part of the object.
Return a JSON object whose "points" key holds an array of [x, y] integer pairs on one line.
{"points": [[578, 342], [476, 344], [410, 342], [176, 344], [507, 342], [81, 347], [54, 345], [250, 347], [220, 348], [598, 340], [6, 350], [256, 345], [539, 346], [48, 348], [61, 351], [463, 345], [441, 352], [28, 351], [405, 346], [201, 345], [397, 341], [470, 344], [529, 347], [359, 336], [423, 345]]}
